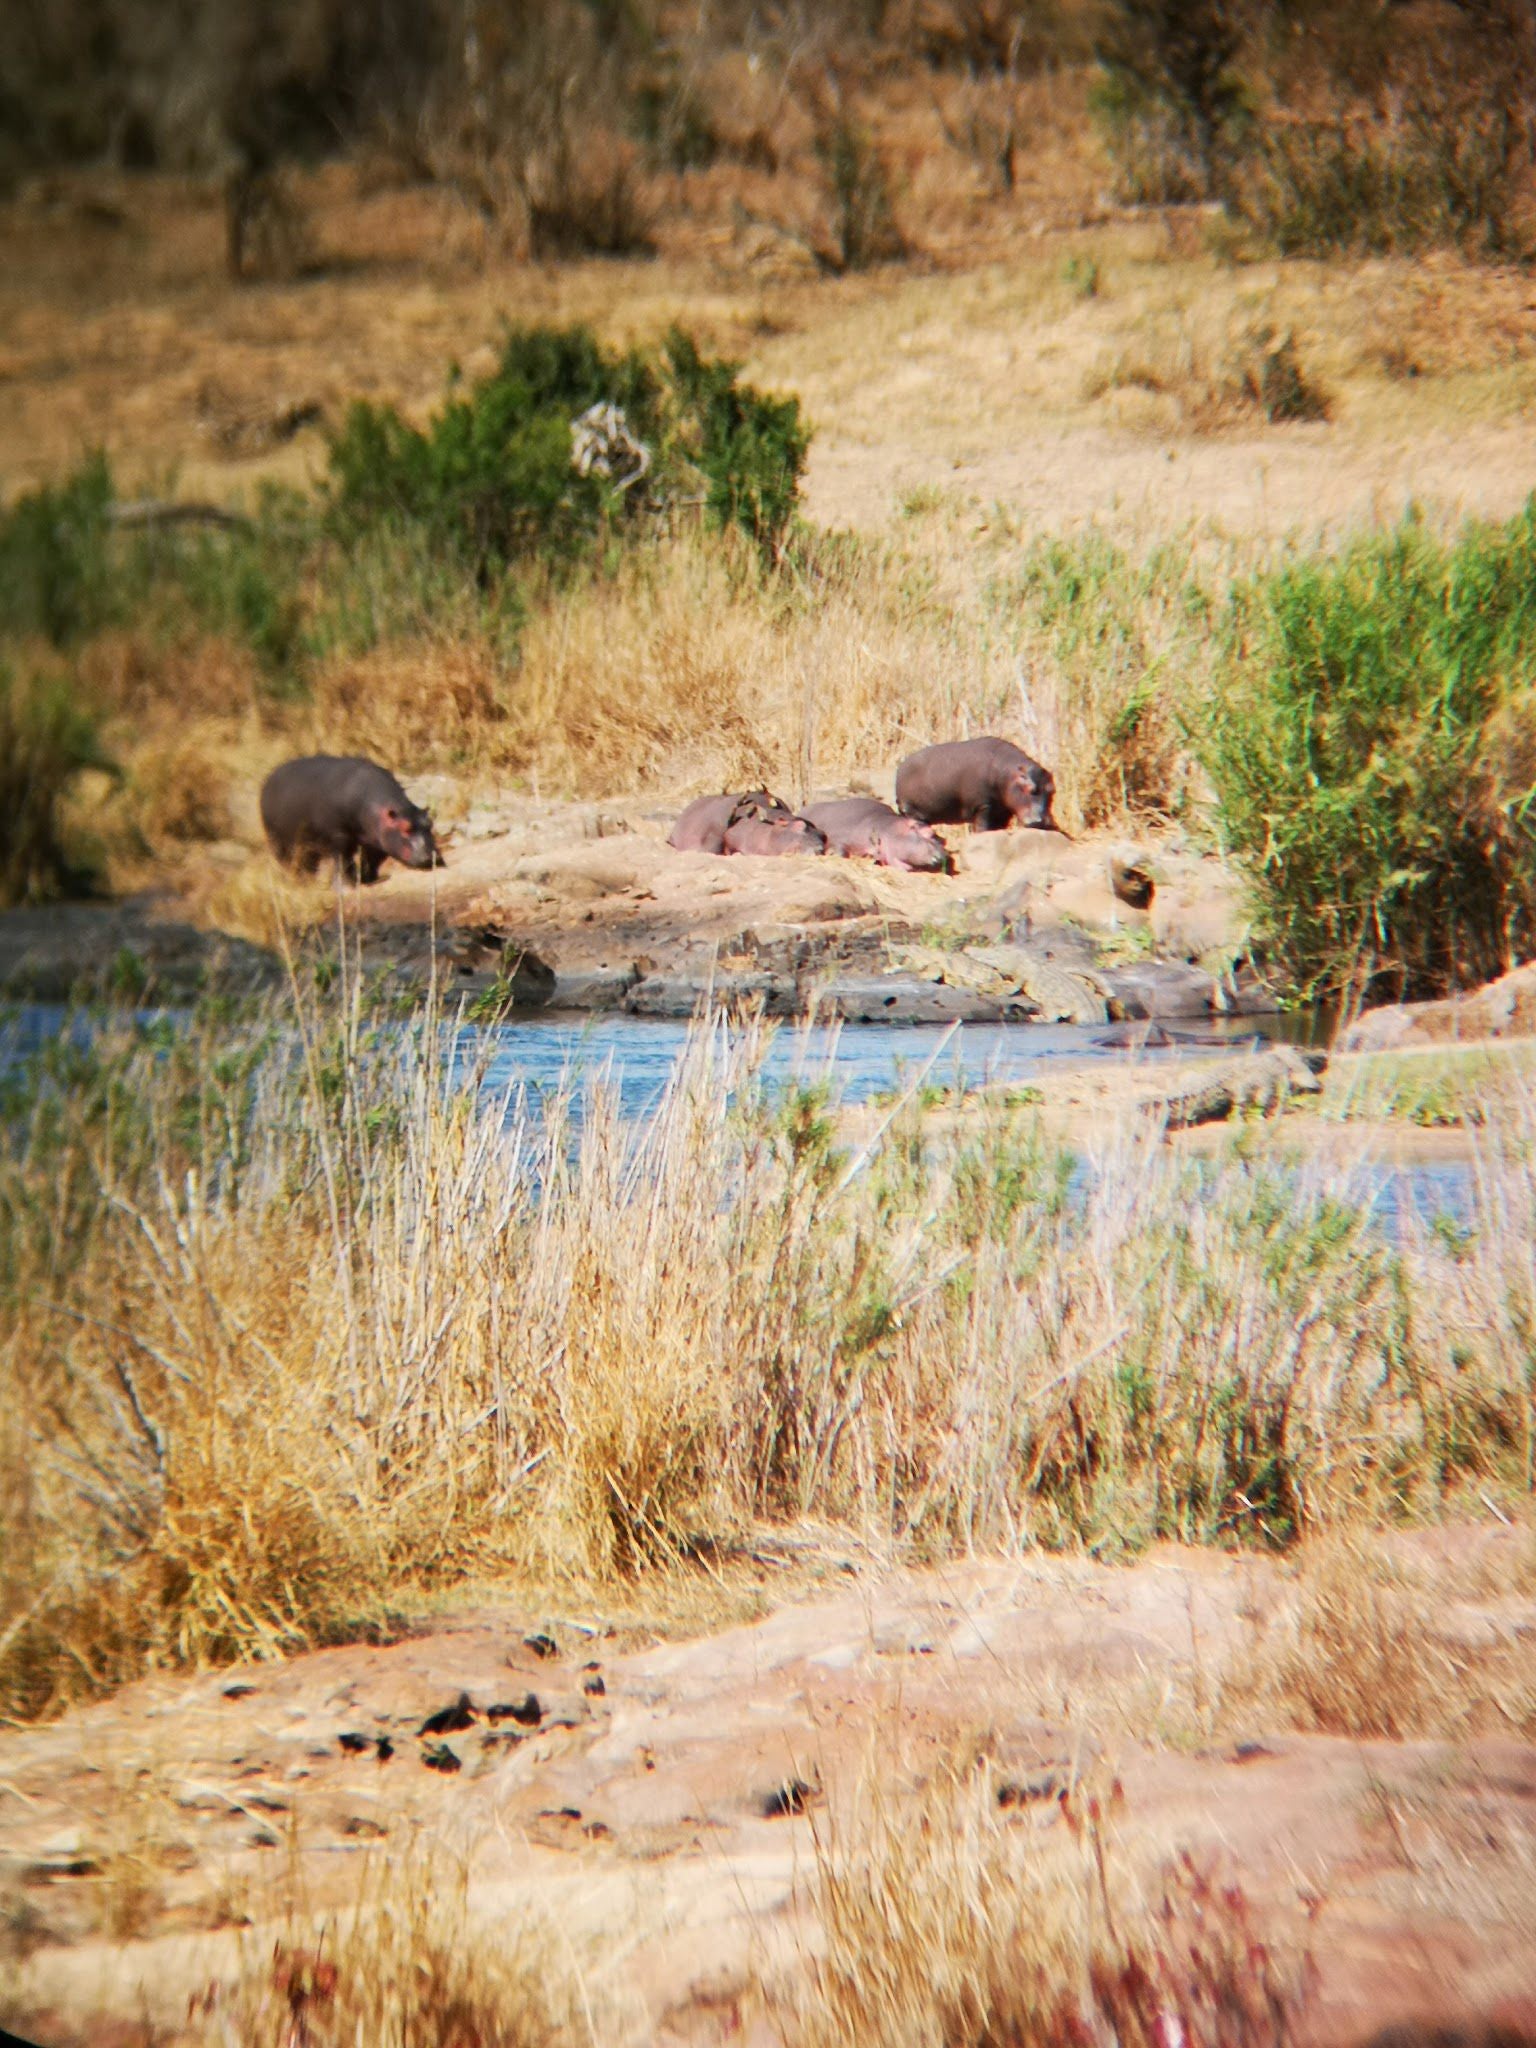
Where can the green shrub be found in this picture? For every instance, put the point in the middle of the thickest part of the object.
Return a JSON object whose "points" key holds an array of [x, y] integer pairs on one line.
{"points": [[1372, 741], [491, 480], [56, 576], [67, 569], [46, 739], [751, 449]]}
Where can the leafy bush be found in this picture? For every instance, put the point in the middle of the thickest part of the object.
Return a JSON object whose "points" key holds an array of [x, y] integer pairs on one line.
{"points": [[493, 478], [56, 577], [67, 569], [46, 739], [1372, 741], [751, 449]]}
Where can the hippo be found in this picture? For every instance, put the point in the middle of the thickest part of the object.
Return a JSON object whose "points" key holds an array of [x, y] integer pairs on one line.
{"points": [[755, 822], [864, 825], [983, 783], [348, 807]]}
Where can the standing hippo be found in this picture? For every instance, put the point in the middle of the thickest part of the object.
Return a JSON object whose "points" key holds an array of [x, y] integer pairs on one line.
{"points": [[864, 825], [755, 822], [348, 807], [983, 783]]}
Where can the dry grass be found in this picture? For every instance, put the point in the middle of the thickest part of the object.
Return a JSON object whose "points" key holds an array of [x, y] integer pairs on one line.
{"points": [[1365, 1645], [404, 1964], [296, 1324], [687, 667], [942, 1918]]}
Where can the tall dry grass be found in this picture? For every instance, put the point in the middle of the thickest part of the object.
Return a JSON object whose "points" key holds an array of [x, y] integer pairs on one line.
{"points": [[691, 664], [942, 1918], [296, 1321]]}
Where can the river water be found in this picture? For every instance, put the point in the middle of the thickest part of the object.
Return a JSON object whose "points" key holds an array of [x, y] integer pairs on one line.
{"points": [[536, 1056]]}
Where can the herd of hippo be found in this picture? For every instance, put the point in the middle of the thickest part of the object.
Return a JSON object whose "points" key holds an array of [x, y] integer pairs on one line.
{"points": [[354, 812], [983, 783]]}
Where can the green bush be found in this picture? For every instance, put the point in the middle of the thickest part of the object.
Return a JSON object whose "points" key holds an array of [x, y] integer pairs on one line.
{"points": [[491, 481], [750, 449], [46, 739], [67, 569], [1372, 741], [56, 574]]}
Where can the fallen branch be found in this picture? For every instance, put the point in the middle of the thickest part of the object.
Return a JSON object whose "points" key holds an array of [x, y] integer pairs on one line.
{"points": [[171, 512]]}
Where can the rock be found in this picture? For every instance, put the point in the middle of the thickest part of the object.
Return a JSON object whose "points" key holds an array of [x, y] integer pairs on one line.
{"points": [[437, 1756], [678, 995], [1131, 882], [600, 988], [1160, 988], [793, 1796], [449, 1720], [1505, 1008], [526, 1712], [904, 999]]}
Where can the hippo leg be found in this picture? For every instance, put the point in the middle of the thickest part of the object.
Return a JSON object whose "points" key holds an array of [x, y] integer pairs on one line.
{"points": [[368, 860]]}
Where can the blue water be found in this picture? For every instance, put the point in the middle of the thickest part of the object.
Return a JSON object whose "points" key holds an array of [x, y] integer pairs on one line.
{"points": [[529, 1059]]}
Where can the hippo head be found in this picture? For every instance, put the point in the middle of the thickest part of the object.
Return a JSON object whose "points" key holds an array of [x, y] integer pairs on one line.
{"points": [[1029, 793], [908, 843], [405, 834], [800, 835], [774, 834]]}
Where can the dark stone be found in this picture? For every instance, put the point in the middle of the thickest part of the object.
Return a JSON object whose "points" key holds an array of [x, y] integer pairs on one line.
{"points": [[793, 1796], [238, 1692], [449, 1720], [1160, 988], [1026, 1791], [593, 1685], [541, 1644], [353, 1742], [526, 1712], [439, 1757]]}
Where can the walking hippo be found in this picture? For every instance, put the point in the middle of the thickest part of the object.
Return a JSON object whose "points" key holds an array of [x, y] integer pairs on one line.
{"points": [[755, 822], [348, 807], [864, 825], [983, 783]]}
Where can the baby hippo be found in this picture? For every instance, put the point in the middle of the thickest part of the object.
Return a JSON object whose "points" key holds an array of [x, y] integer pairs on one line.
{"points": [[864, 825], [752, 823], [349, 808], [983, 783]]}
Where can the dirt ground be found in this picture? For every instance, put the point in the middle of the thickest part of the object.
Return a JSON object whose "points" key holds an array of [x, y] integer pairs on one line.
{"points": [[610, 1785]]}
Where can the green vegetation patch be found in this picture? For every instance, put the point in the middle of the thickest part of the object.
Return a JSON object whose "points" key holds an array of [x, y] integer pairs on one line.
{"points": [[1372, 740]]}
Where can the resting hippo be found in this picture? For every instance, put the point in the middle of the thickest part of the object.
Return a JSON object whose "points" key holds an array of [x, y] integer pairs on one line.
{"points": [[349, 808], [862, 824], [752, 823], [984, 783]]}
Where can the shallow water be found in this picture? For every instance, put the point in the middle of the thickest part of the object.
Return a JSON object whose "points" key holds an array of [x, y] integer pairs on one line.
{"points": [[532, 1057]]}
